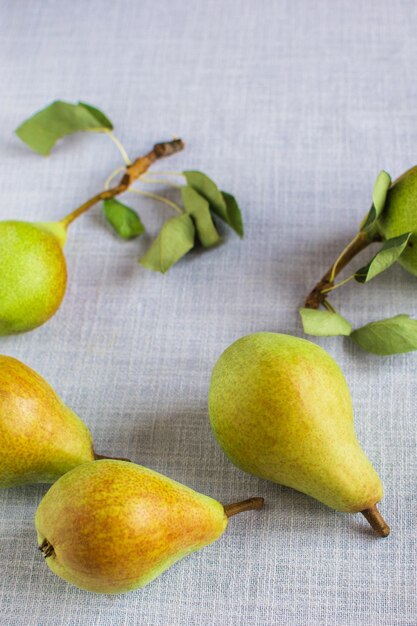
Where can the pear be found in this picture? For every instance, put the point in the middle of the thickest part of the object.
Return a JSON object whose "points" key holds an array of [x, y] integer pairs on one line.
{"points": [[40, 437], [399, 216], [111, 526], [33, 273], [281, 409]]}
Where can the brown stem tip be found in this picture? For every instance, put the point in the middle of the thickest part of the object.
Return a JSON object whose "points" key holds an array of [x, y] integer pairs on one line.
{"points": [[374, 517], [246, 505], [100, 457]]}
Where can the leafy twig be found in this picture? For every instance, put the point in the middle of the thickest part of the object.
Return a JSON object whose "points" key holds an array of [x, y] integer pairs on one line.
{"points": [[388, 336], [201, 196], [133, 171], [318, 294]]}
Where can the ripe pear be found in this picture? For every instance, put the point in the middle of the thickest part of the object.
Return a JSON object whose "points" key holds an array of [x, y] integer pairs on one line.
{"points": [[111, 526], [33, 273], [40, 437], [399, 216], [281, 409]]}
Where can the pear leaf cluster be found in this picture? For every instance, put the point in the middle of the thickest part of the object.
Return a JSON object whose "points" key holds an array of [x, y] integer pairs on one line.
{"points": [[202, 201], [393, 335], [41, 131]]}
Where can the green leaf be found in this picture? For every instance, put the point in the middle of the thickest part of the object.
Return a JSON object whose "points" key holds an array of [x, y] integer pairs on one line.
{"points": [[324, 323], [41, 131], [125, 221], [221, 203], [175, 239], [233, 213], [390, 336], [198, 208], [102, 119], [208, 189], [379, 195], [389, 253]]}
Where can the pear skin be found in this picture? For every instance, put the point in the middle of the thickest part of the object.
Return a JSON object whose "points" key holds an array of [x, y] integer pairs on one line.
{"points": [[111, 526], [281, 409], [399, 216], [40, 437], [33, 274]]}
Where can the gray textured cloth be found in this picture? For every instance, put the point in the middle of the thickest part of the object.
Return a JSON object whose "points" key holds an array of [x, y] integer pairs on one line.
{"points": [[294, 106]]}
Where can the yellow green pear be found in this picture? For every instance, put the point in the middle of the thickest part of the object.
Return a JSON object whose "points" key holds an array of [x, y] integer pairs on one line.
{"points": [[40, 437], [33, 273], [112, 526], [281, 409], [399, 216]]}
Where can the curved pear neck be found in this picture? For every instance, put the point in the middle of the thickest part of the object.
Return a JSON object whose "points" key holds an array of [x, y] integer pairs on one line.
{"points": [[57, 229]]}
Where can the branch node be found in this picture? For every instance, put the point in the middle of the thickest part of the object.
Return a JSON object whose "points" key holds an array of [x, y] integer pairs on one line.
{"points": [[133, 171]]}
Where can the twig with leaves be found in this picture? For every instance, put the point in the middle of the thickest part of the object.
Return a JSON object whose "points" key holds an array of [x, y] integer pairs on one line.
{"points": [[392, 220], [201, 198]]}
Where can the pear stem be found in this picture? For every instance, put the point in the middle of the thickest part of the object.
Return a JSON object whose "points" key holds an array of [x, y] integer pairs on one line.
{"points": [[374, 517], [100, 457], [246, 505], [318, 294], [133, 171], [46, 548]]}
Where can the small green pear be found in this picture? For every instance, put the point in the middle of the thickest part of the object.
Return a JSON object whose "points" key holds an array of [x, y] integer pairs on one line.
{"points": [[399, 216], [33, 273], [40, 437], [111, 526], [281, 409]]}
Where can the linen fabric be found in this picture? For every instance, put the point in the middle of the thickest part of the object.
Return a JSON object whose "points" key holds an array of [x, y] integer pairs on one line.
{"points": [[294, 107]]}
